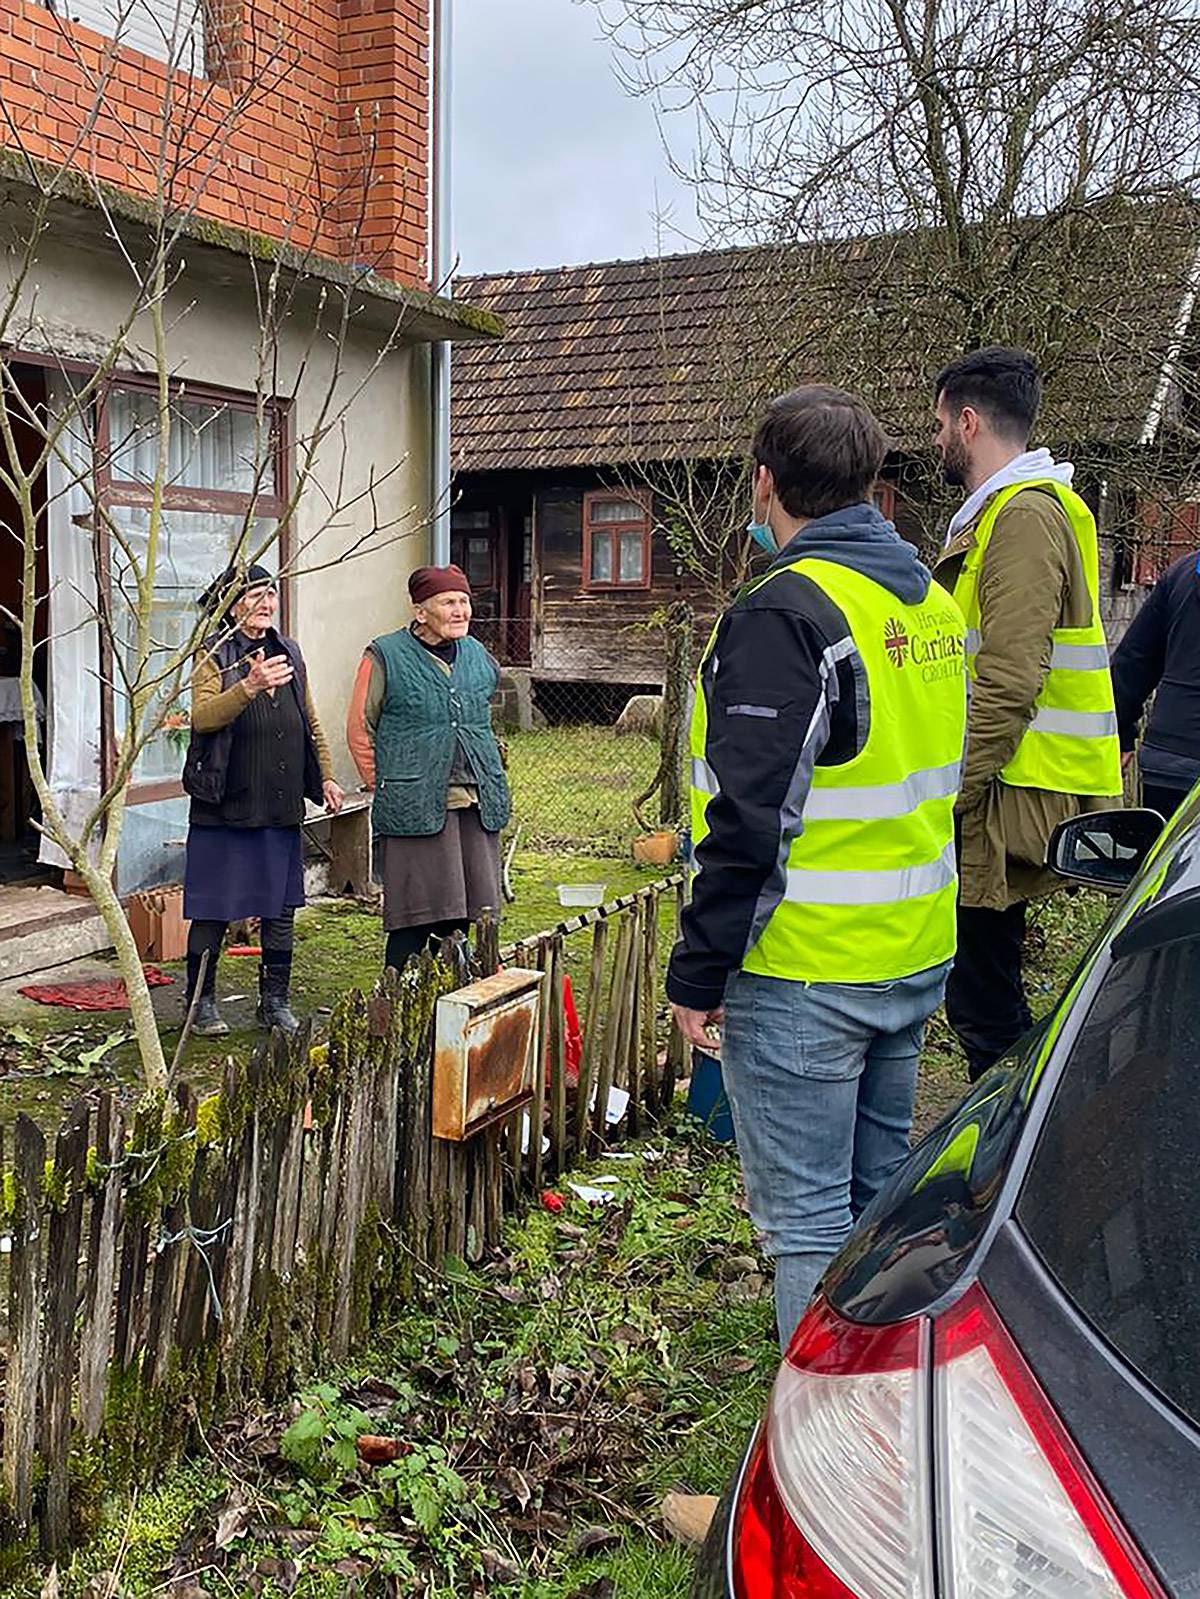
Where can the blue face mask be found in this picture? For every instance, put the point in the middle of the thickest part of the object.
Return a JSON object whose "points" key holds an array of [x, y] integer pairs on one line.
{"points": [[761, 533]]}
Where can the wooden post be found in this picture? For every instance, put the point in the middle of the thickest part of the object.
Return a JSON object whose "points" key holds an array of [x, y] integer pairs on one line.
{"points": [[355, 1162], [419, 1131], [593, 1033], [170, 1263], [637, 1001], [487, 943], [675, 692], [197, 1315], [615, 1033], [676, 1052], [96, 1336], [62, 1276], [476, 1201], [24, 1350], [240, 1263], [537, 1108], [494, 1188], [456, 1218], [649, 1037], [558, 1058], [141, 1154], [514, 1160]]}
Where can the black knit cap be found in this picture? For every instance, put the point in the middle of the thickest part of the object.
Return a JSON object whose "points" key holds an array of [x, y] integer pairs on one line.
{"points": [[233, 582]]}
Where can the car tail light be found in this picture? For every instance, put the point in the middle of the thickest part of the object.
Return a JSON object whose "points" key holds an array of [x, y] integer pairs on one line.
{"points": [[839, 1498], [836, 1498], [1019, 1511]]}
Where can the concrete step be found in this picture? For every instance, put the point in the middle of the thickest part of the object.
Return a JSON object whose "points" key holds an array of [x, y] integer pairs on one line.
{"points": [[41, 928]]}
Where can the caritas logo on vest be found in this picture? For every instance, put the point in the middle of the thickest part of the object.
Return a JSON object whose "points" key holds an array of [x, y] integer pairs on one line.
{"points": [[937, 653]]}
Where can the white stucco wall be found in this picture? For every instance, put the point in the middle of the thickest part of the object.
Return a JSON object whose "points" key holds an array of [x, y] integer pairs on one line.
{"points": [[79, 292]]}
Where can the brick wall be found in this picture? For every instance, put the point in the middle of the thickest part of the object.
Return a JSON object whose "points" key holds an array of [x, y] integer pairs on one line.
{"points": [[312, 125]]}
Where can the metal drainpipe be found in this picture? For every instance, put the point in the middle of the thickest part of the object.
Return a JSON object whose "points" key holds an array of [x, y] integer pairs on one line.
{"points": [[441, 263]]}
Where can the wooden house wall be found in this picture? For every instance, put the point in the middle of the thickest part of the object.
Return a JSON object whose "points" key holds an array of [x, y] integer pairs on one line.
{"points": [[581, 635], [597, 634], [584, 635]]}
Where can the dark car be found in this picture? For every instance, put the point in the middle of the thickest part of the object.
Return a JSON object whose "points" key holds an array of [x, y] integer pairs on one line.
{"points": [[996, 1392]]}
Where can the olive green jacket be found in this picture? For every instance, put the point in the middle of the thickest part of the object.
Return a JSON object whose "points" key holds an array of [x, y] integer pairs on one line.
{"points": [[1031, 582]]}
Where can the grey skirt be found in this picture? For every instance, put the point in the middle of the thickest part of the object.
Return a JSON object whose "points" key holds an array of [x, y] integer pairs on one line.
{"points": [[451, 876]]}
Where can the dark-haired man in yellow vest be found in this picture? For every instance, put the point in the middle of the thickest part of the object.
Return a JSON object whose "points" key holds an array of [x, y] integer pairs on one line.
{"points": [[826, 745], [1021, 560]]}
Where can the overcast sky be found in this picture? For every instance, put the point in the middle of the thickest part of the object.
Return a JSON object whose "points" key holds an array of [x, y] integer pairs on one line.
{"points": [[554, 164]]}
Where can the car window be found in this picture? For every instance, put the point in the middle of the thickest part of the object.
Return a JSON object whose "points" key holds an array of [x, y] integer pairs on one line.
{"points": [[1112, 1198]]}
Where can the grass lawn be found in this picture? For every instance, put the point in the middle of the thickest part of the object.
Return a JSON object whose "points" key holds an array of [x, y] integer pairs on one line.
{"points": [[574, 787]]}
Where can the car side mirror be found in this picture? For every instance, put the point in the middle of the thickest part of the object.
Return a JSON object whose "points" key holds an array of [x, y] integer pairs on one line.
{"points": [[1104, 849]]}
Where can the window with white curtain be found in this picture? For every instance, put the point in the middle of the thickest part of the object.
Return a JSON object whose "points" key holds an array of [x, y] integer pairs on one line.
{"points": [[168, 30], [616, 540], [222, 496]]}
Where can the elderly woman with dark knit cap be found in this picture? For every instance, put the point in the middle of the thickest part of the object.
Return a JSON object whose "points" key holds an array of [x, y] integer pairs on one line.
{"points": [[420, 732], [256, 752]]}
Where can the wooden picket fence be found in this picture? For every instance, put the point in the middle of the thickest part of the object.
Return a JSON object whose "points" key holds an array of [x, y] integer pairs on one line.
{"points": [[170, 1264]]}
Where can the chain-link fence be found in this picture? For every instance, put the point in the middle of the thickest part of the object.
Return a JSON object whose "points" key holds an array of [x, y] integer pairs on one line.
{"points": [[581, 715]]}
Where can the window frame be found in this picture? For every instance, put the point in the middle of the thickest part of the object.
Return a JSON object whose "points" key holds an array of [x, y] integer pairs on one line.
{"points": [[612, 531], [203, 56], [466, 534], [128, 494], [883, 497]]}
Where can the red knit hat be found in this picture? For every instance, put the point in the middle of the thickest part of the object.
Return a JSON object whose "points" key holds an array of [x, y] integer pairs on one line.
{"points": [[427, 581]]}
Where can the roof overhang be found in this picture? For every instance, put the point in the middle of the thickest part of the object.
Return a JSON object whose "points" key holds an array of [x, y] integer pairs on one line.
{"points": [[101, 216]]}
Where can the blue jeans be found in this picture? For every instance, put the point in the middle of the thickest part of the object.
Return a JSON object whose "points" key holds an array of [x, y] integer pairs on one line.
{"points": [[821, 1079]]}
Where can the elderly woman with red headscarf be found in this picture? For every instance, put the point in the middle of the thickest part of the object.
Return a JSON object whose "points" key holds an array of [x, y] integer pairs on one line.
{"points": [[420, 732]]}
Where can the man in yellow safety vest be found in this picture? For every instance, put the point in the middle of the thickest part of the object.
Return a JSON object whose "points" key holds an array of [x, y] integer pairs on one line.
{"points": [[1021, 560], [826, 744]]}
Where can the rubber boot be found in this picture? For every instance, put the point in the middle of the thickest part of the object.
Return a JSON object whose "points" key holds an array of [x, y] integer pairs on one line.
{"points": [[273, 1010], [207, 1021]]}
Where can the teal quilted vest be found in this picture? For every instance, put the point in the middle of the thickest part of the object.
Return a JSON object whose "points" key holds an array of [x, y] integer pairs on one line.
{"points": [[424, 710]]}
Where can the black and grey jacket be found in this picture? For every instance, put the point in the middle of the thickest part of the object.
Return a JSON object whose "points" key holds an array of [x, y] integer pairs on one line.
{"points": [[258, 769], [1160, 656], [785, 691]]}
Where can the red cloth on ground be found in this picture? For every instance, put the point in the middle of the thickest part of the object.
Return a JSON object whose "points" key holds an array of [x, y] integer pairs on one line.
{"points": [[96, 993]]}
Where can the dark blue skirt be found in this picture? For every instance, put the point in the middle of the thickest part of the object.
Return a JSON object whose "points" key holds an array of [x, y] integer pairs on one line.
{"points": [[237, 872]]}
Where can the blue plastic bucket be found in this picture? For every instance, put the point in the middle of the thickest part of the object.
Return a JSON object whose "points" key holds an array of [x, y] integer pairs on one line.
{"points": [[706, 1097]]}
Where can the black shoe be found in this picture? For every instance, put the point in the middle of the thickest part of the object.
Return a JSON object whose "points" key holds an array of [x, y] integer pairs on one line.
{"points": [[273, 1009], [208, 1021]]}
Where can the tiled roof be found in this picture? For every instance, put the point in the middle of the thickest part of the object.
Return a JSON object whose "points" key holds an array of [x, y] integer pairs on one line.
{"points": [[671, 357]]}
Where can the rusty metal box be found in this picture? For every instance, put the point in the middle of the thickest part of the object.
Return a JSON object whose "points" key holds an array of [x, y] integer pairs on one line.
{"points": [[487, 1037]]}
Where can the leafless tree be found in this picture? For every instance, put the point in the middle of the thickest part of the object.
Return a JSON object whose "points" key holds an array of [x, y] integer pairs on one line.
{"points": [[143, 673], [930, 175]]}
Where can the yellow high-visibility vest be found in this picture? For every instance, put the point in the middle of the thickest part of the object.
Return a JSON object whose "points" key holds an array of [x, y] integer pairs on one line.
{"points": [[870, 872], [1071, 745]]}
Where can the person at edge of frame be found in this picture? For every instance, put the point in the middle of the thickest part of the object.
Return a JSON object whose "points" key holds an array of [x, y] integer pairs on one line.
{"points": [[1160, 657]]}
